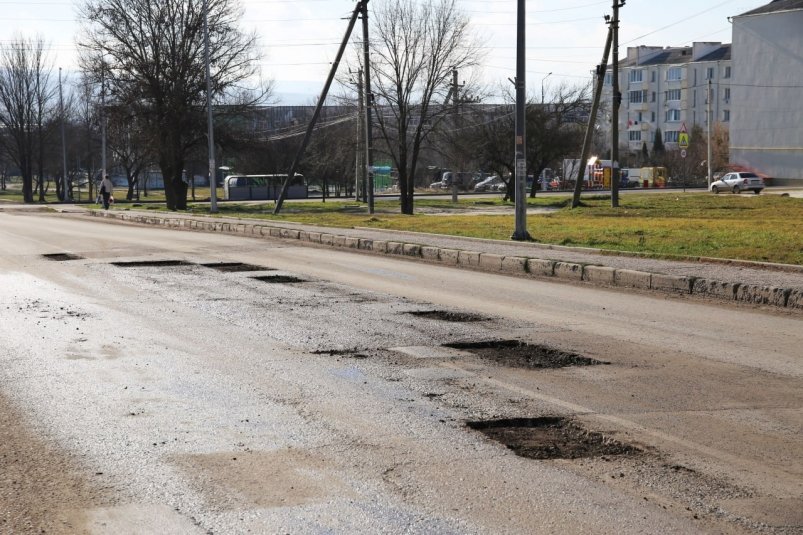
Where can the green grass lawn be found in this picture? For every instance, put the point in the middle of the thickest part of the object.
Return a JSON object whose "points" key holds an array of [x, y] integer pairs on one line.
{"points": [[747, 227]]}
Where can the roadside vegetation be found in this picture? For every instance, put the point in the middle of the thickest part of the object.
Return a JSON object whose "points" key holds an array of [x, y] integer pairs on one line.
{"points": [[765, 228]]}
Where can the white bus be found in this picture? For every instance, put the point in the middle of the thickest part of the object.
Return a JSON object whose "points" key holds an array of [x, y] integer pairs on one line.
{"points": [[262, 187]]}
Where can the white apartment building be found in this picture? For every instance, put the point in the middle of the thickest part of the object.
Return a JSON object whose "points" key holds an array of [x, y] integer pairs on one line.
{"points": [[666, 88], [766, 133]]}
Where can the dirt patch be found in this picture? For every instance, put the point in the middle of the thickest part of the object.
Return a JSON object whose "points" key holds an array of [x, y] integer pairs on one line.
{"points": [[282, 478], [41, 491], [518, 354], [62, 257], [235, 267], [279, 279], [152, 263], [551, 438], [447, 315]]}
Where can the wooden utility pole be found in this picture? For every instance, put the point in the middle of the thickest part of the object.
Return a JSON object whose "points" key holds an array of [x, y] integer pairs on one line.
{"points": [[317, 113], [592, 120]]}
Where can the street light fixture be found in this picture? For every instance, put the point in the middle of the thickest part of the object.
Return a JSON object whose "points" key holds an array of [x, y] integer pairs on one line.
{"points": [[542, 87]]}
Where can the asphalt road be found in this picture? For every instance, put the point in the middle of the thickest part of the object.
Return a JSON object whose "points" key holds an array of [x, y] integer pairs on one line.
{"points": [[183, 399]]}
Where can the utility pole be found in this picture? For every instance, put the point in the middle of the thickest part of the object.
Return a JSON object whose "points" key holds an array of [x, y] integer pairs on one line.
{"points": [[103, 120], [360, 168], [708, 127], [317, 112], [456, 112], [617, 101], [520, 232], [592, 120], [369, 97], [210, 125], [64, 181], [542, 88]]}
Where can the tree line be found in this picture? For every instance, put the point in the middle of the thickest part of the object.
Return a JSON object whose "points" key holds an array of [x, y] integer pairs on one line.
{"points": [[142, 79]]}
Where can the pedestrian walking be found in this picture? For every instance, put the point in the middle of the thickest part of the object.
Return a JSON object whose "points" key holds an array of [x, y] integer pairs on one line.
{"points": [[106, 190]]}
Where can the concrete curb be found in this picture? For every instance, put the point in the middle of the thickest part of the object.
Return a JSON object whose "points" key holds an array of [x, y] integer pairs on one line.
{"points": [[597, 275]]}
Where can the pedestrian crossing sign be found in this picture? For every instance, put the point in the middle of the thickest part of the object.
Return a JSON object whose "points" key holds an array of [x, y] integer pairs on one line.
{"points": [[683, 137]]}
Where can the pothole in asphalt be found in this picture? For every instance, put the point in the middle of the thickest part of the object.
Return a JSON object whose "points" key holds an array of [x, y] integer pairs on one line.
{"points": [[152, 263], [551, 438], [62, 257], [447, 315], [278, 279], [518, 354], [234, 267], [350, 353]]}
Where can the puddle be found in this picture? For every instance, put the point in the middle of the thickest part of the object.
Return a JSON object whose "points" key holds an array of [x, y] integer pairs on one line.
{"points": [[152, 263], [550, 438], [518, 354], [447, 315], [279, 279], [234, 267], [62, 257]]}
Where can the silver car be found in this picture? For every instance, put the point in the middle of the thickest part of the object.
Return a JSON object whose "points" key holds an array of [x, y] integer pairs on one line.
{"points": [[738, 182]]}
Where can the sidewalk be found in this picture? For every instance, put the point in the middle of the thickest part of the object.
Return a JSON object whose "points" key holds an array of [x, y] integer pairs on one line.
{"points": [[776, 285]]}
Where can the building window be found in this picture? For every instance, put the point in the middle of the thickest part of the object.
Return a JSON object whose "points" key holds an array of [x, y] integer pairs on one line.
{"points": [[636, 75], [709, 73], [727, 94], [671, 136], [608, 79], [727, 72], [673, 94], [653, 117], [726, 116], [672, 115], [636, 97], [634, 135], [674, 73], [653, 96], [652, 76]]}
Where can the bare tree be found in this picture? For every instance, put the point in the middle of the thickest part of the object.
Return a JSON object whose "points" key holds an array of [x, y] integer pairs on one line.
{"points": [[417, 45], [26, 95], [554, 132], [128, 142], [151, 55]]}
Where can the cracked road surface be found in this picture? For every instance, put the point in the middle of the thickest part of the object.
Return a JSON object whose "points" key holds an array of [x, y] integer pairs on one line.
{"points": [[305, 396]]}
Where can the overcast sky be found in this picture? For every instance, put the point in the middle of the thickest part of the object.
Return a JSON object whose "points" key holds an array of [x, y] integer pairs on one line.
{"points": [[299, 38]]}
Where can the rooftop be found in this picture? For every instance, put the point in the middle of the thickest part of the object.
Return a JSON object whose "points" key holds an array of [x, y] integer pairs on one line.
{"points": [[776, 6]]}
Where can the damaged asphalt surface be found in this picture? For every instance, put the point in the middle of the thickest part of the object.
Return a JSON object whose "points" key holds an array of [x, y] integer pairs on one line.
{"points": [[188, 399]]}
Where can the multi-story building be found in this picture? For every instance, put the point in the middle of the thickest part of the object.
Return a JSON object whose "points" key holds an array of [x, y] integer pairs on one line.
{"points": [[665, 88], [766, 132]]}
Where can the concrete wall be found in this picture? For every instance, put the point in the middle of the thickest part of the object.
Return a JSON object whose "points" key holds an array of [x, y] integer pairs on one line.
{"points": [[766, 131]]}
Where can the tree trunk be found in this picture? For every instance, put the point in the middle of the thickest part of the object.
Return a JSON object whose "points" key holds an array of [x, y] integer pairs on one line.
{"points": [[27, 185]]}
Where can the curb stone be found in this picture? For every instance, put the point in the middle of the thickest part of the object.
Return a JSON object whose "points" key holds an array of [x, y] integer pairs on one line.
{"points": [[791, 299]]}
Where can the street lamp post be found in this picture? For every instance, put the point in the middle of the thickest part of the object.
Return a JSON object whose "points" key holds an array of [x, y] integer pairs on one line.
{"points": [[542, 87], [210, 125]]}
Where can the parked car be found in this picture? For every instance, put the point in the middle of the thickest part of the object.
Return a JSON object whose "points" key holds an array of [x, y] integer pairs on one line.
{"points": [[738, 182], [488, 184]]}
